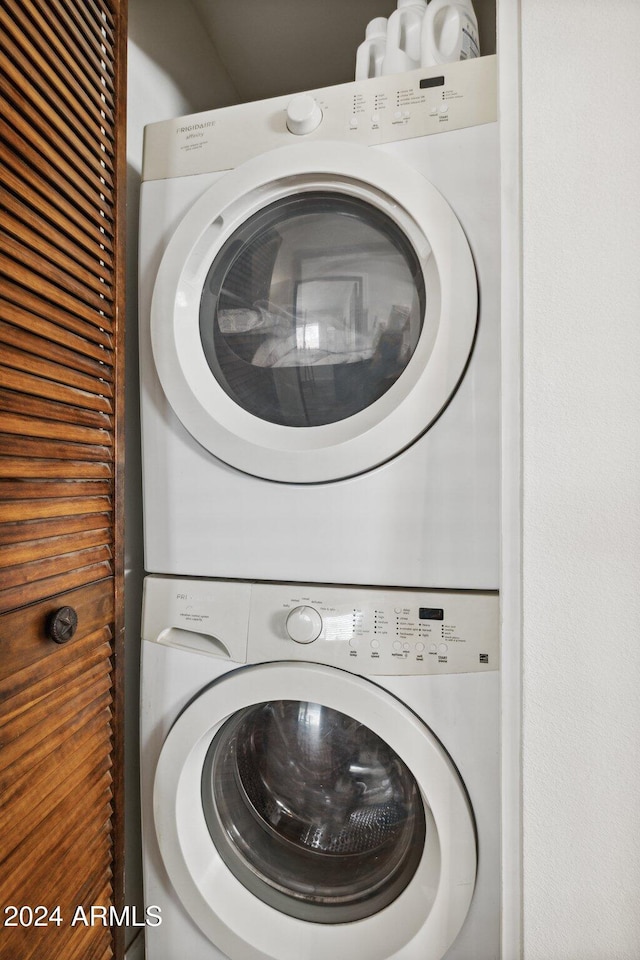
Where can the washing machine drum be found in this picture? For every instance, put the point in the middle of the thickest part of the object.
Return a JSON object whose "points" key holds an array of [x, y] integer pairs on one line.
{"points": [[312, 811], [314, 312], [299, 824]]}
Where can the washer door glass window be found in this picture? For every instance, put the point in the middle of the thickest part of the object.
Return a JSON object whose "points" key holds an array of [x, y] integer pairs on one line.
{"points": [[312, 309], [312, 811]]}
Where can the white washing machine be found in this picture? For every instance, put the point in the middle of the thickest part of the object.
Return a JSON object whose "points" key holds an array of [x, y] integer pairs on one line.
{"points": [[320, 772], [319, 335]]}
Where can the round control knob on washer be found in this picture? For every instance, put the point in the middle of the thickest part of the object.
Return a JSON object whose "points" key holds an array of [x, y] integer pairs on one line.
{"points": [[303, 115], [304, 624]]}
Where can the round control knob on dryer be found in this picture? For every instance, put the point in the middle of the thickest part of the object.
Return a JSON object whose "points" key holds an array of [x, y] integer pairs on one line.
{"points": [[304, 624], [303, 115]]}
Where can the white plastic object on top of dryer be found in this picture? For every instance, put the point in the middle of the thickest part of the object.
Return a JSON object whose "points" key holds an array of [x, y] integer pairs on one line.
{"points": [[370, 53], [449, 32], [404, 28]]}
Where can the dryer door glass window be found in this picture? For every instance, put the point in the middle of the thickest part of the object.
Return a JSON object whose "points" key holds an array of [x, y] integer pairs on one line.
{"points": [[312, 811], [312, 309]]}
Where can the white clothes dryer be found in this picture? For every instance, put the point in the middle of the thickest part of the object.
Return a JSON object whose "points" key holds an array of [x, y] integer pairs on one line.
{"points": [[320, 772], [319, 335]]}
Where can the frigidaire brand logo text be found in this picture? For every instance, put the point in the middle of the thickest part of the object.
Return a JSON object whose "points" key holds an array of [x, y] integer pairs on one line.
{"points": [[196, 126]]}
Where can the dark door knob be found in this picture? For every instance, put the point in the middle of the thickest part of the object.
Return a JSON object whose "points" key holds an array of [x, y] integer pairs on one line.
{"points": [[62, 624]]}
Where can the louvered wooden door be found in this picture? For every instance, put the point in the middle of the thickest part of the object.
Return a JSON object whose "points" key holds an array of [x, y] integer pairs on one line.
{"points": [[62, 90]]}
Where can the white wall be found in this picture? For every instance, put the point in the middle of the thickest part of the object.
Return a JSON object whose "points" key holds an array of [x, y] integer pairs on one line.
{"points": [[581, 470]]}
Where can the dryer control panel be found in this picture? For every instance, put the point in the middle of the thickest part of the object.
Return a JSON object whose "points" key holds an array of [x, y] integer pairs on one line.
{"points": [[372, 112], [368, 631]]}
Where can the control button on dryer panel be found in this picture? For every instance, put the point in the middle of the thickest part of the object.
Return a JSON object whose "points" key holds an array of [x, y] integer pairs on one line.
{"points": [[303, 115], [304, 624]]}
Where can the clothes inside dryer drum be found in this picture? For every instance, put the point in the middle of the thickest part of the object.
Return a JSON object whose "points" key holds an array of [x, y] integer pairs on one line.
{"points": [[312, 309], [312, 811]]}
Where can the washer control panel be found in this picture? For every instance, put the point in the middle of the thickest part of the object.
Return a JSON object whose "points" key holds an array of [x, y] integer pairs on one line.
{"points": [[304, 624], [361, 629], [372, 631]]}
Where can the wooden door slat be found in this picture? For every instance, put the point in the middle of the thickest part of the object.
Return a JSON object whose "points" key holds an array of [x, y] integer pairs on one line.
{"points": [[86, 248], [62, 246], [43, 469], [98, 30], [41, 530], [94, 212], [30, 687], [102, 14], [43, 850], [77, 388], [14, 446], [91, 642], [33, 279], [20, 735], [91, 942], [50, 331], [41, 569], [68, 726], [79, 942], [14, 511], [62, 309], [87, 754], [39, 253], [88, 44], [32, 592], [95, 194], [28, 593], [41, 386], [32, 550], [29, 733], [62, 285], [77, 98], [55, 429], [12, 402], [51, 489], [72, 218], [40, 42], [30, 94], [26, 341], [97, 331]]}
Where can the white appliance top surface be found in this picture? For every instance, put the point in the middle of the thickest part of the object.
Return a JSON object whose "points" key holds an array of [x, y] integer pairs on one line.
{"points": [[380, 110], [367, 631]]}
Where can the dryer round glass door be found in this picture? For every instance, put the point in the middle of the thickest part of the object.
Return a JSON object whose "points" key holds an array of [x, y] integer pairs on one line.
{"points": [[312, 309], [315, 803], [314, 312]]}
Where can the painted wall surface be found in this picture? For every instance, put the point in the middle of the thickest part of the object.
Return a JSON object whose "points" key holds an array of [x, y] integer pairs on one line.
{"points": [[581, 470]]}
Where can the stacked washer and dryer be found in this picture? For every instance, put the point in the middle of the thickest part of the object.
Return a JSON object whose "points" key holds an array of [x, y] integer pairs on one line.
{"points": [[319, 339]]}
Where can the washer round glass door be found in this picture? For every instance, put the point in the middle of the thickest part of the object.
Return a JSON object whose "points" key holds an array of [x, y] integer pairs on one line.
{"points": [[318, 805], [314, 312], [312, 811]]}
